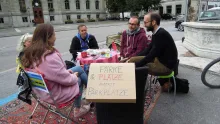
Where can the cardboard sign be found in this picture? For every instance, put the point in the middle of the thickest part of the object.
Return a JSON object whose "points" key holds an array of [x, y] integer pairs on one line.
{"points": [[111, 83]]}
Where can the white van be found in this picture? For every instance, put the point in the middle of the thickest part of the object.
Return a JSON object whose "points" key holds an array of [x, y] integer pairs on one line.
{"points": [[127, 15]]}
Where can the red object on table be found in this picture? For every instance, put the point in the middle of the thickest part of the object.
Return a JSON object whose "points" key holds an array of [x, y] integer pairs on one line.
{"points": [[84, 54], [88, 60], [114, 47]]}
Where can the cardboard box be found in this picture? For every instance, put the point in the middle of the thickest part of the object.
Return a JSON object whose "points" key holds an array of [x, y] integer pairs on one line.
{"points": [[111, 83]]}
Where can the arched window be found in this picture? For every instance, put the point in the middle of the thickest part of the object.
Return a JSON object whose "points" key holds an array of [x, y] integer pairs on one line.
{"points": [[77, 4], [67, 4], [97, 4], [87, 4]]}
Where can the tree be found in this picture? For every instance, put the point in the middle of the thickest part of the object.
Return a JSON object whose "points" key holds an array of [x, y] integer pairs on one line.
{"points": [[135, 6], [116, 6], [150, 4]]}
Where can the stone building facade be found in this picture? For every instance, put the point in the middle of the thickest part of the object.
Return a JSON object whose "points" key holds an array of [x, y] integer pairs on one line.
{"points": [[22, 13], [174, 7]]}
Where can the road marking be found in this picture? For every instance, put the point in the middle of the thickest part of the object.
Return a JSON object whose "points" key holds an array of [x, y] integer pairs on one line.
{"points": [[17, 30], [8, 99], [12, 69]]}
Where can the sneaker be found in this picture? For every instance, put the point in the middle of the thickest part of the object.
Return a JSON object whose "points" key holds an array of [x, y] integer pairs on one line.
{"points": [[82, 111]]}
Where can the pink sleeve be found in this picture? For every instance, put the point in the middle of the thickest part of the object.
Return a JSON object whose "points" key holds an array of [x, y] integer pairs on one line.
{"points": [[55, 70]]}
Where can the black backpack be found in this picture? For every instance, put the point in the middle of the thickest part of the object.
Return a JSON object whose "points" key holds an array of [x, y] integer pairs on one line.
{"points": [[182, 85], [24, 84]]}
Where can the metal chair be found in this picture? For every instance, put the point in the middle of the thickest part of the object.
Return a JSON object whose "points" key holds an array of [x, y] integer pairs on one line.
{"points": [[163, 77], [38, 83]]}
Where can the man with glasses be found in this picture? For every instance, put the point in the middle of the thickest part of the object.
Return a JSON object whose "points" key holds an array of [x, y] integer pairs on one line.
{"points": [[161, 55], [133, 40]]}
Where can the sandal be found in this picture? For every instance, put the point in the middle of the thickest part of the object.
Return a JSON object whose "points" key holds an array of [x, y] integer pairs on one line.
{"points": [[83, 110]]}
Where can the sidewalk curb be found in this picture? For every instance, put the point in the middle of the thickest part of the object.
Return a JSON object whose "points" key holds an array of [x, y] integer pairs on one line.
{"points": [[56, 30], [190, 67]]}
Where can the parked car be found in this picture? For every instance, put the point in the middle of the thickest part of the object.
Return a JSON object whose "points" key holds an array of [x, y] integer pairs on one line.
{"points": [[141, 17], [179, 25], [168, 16], [213, 14]]}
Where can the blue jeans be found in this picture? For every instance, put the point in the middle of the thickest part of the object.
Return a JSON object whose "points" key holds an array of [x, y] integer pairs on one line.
{"points": [[83, 79]]}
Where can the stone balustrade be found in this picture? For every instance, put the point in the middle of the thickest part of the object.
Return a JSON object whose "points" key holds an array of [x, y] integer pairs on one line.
{"points": [[202, 39]]}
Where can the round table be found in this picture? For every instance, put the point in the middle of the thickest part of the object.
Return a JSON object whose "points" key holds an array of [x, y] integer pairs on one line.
{"points": [[98, 59]]}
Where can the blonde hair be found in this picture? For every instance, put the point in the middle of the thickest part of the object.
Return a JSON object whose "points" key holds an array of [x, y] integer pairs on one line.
{"points": [[22, 40]]}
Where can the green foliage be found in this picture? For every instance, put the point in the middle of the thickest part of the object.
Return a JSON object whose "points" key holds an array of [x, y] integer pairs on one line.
{"points": [[80, 20], [91, 20], [101, 19], [133, 6]]}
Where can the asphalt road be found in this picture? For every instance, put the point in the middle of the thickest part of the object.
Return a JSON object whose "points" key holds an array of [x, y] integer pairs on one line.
{"points": [[8, 51]]}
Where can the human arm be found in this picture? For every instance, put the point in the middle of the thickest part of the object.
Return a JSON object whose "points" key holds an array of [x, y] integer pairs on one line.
{"points": [[75, 47], [94, 43], [55, 70]]}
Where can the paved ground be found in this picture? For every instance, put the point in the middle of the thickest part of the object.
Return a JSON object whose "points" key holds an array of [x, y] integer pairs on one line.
{"points": [[8, 46], [199, 106]]}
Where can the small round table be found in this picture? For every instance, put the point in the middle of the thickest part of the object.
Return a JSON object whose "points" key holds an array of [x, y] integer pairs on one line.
{"points": [[98, 59]]}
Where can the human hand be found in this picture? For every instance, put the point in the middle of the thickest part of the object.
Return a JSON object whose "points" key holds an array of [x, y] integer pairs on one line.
{"points": [[76, 73], [123, 60], [70, 71]]}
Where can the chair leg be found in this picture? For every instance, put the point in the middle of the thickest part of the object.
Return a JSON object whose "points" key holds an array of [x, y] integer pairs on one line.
{"points": [[150, 84], [46, 114], [154, 83], [174, 94], [30, 117], [69, 113]]}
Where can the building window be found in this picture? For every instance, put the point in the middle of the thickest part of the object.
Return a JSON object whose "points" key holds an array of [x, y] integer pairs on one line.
{"points": [[78, 16], [67, 4], [52, 18], [97, 16], [68, 17], [169, 9], [88, 16], [97, 4], [24, 19], [22, 5], [0, 7], [178, 9], [87, 4], [50, 4], [77, 4], [1, 20]]}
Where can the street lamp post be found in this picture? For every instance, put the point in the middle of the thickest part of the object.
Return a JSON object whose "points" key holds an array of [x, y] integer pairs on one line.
{"points": [[186, 10], [29, 15]]}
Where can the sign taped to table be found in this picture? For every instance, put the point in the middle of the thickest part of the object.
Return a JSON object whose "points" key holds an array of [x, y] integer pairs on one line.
{"points": [[111, 83]]}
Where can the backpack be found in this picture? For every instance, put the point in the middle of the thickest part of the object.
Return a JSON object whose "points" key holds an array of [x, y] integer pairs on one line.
{"points": [[182, 85], [24, 84]]}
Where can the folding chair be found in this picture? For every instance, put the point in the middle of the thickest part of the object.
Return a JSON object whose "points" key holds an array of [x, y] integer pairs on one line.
{"points": [[38, 83]]}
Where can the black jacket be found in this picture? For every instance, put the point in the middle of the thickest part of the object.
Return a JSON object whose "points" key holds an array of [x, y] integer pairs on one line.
{"points": [[76, 45], [162, 47]]}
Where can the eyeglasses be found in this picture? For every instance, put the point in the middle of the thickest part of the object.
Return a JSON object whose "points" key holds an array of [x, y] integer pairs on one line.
{"points": [[147, 22], [132, 24]]}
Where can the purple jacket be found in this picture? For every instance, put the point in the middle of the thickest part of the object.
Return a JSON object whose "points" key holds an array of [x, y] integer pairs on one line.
{"points": [[133, 43], [63, 85]]}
